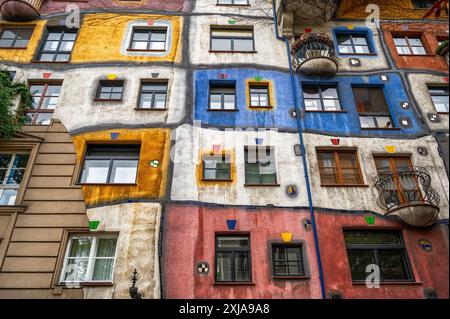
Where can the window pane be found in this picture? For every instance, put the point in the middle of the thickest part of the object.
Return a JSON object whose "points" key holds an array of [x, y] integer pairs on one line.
{"points": [[419, 51], [415, 42], [8, 196], [106, 247], [141, 36], [242, 267], [103, 269], [66, 46], [362, 49], [80, 247], [69, 36], [15, 177], [95, 171], [160, 101], [367, 121], [229, 102], [158, 36], [360, 41], [313, 105], [44, 119], [400, 42], [139, 45], [329, 93], [280, 269], [224, 266], [20, 43], [54, 36], [331, 105], [6, 43], [215, 102], [362, 237], [146, 100], [384, 122], [51, 45], [124, 171], [46, 57], [5, 160], [243, 45], [62, 57], [311, 92], [393, 266], [232, 242], [157, 45], [344, 40], [221, 44], [370, 100], [441, 103], [21, 160], [403, 50], [76, 270], [359, 260]]}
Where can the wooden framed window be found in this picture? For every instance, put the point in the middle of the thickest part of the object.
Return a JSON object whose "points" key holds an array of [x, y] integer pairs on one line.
{"points": [[409, 45], [148, 39], [383, 248], [233, 261], [45, 98], [12, 171], [339, 168], [260, 166], [287, 260], [110, 164], [153, 95], [15, 37], [216, 167], [439, 95], [58, 45], [109, 90], [401, 190], [353, 43], [321, 98], [259, 95], [222, 95], [372, 107], [233, 2], [225, 39], [89, 258]]}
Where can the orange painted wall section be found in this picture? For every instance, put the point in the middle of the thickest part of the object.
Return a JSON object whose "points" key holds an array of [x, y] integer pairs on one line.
{"points": [[389, 9], [151, 182]]}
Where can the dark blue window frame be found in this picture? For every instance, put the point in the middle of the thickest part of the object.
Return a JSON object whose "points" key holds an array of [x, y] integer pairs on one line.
{"points": [[365, 32]]}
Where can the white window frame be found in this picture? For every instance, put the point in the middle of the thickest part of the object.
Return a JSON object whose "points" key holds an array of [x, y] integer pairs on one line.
{"points": [[92, 258], [3, 185]]}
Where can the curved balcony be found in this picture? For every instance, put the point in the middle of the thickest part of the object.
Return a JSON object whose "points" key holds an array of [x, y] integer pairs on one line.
{"points": [[20, 10], [409, 196], [314, 54]]}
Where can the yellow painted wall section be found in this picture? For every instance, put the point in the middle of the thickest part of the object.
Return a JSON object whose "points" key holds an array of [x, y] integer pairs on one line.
{"points": [[102, 37], [151, 182], [23, 55], [389, 9]]}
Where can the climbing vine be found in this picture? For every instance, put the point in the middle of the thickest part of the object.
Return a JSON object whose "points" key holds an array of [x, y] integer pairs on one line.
{"points": [[11, 120]]}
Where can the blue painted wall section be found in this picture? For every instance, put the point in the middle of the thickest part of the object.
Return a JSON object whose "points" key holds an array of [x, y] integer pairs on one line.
{"points": [[334, 123]]}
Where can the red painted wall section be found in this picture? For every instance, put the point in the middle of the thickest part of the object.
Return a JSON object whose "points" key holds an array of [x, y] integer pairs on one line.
{"points": [[190, 238], [429, 33], [430, 268], [52, 6]]}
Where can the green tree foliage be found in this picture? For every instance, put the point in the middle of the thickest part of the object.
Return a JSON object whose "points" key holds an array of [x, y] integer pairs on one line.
{"points": [[12, 120]]}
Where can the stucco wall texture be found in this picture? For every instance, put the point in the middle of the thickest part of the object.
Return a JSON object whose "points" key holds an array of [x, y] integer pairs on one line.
{"points": [[137, 225], [430, 269], [196, 226], [151, 182]]}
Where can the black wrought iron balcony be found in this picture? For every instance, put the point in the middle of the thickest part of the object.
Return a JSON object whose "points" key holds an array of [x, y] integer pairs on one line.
{"points": [[408, 194], [20, 10], [314, 54]]}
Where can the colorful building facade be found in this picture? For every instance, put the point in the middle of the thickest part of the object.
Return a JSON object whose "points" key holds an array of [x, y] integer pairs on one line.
{"points": [[226, 149]]}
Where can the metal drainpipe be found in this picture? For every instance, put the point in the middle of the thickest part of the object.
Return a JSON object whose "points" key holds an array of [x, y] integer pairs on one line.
{"points": [[303, 152]]}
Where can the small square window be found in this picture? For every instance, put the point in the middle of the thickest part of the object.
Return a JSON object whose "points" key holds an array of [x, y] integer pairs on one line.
{"points": [[259, 95], [439, 95], [260, 167], [148, 39], [288, 260], [15, 37], [353, 43], [222, 96], [58, 45], [409, 45], [216, 167], [153, 95], [109, 90]]}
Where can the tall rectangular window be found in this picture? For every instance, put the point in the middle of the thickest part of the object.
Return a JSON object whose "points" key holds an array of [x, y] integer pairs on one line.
{"points": [[110, 164], [386, 249], [339, 168], [233, 263], [12, 171], [372, 107], [439, 95], [109, 90], [353, 43], [222, 95], [216, 167], [45, 98], [153, 95], [148, 39], [321, 98], [89, 258], [260, 167], [409, 45], [288, 260], [58, 45], [232, 39], [12, 37], [259, 95]]}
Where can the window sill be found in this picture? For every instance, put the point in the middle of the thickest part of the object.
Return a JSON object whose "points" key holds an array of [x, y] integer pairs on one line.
{"points": [[12, 48], [392, 283], [261, 185], [222, 110], [107, 100], [418, 55], [149, 109], [290, 278], [88, 284], [345, 185], [105, 184], [269, 107], [326, 111], [145, 51], [357, 54], [442, 113], [49, 62], [213, 51], [381, 128], [237, 283], [12, 208], [215, 180], [233, 5]]}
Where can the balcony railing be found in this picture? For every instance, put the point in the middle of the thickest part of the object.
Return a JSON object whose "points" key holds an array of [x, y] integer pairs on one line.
{"points": [[20, 10], [409, 195], [314, 54]]}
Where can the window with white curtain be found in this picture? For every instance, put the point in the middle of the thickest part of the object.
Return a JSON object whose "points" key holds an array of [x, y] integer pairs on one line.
{"points": [[89, 258]]}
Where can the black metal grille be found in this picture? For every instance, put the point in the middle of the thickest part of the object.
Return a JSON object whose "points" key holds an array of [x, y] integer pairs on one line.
{"points": [[404, 188]]}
